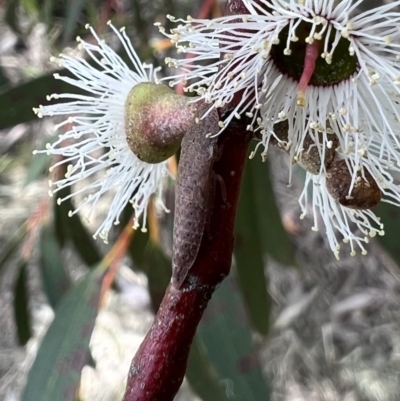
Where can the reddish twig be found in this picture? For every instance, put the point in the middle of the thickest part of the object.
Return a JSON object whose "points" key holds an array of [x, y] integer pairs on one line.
{"points": [[159, 365]]}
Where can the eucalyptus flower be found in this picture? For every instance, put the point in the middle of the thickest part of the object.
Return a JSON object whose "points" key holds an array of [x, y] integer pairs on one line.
{"points": [[94, 148], [330, 72]]}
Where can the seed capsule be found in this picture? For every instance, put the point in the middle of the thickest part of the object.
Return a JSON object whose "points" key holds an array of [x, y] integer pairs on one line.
{"points": [[309, 158], [365, 193]]}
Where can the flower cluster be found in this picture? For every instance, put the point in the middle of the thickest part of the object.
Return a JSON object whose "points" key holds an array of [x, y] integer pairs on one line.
{"points": [[318, 78], [331, 75], [93, 144]]}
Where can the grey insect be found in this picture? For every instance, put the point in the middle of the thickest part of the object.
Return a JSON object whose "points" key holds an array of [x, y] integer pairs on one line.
{"points": [[194, 189]]}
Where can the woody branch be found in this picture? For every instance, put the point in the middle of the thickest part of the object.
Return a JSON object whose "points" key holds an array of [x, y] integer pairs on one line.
{"points": [[159, 366]]}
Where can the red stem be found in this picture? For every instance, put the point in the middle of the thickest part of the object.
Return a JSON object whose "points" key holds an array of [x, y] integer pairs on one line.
{"points": [[159, 365]]}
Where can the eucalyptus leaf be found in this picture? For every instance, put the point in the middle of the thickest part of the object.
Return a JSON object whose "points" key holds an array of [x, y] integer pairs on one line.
{"points": [[157, 267], [11, 247], [16, 103], [250, 255], [390, 217], [56, 371], [21, 306], [202, 376], [72, 228], [3, 78], [226, 336], [56, 280], [274, 238], [74, 9], [11, 16]]}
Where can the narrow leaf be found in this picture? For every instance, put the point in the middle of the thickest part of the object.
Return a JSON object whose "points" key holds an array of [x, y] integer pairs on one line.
{"points": [[3, 78], [37, 168], [74, 8], [39, 163], [390, 217], [11, 247], [72, 228], [137, 248], [21, 306], [56, 372], [202, 376], [274, 238], [55, 279], [250, 255], [16, 103], [157, 267], [226, 336], [11, 16]]}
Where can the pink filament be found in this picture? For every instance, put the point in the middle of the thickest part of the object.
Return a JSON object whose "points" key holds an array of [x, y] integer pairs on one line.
{"points": [[312, 52]]}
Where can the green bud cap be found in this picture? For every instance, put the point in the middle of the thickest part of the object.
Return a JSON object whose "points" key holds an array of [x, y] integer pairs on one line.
{"points": [[155, 121]]}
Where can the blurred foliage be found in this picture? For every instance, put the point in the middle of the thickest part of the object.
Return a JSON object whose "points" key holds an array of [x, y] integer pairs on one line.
{"points": [[259, 233], [64, 351], [390, 217], [223, 362], [21, 306], [226, 336]]}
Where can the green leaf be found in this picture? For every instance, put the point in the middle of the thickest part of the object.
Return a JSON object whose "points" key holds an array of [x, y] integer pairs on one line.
{"points": [[250, 255], [390, 217], [55, 279], [274, 238], [72, 228], [21, 306], [39, 163], [202, 376], [157, 267], [74, 8], [139, 240], [12, 246], [137, 247], [3, 78], [226, 336], [11, 15], [37, 168], [30, 6], [16, 103], [47, 11], [56, 372]]}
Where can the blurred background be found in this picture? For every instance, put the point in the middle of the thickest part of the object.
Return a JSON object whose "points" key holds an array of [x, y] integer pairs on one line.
{"points": [[290, 324]]}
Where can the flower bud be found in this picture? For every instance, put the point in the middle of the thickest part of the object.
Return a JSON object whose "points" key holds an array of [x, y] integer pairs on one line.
{"points": [[365, 193], [155, 121]]}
